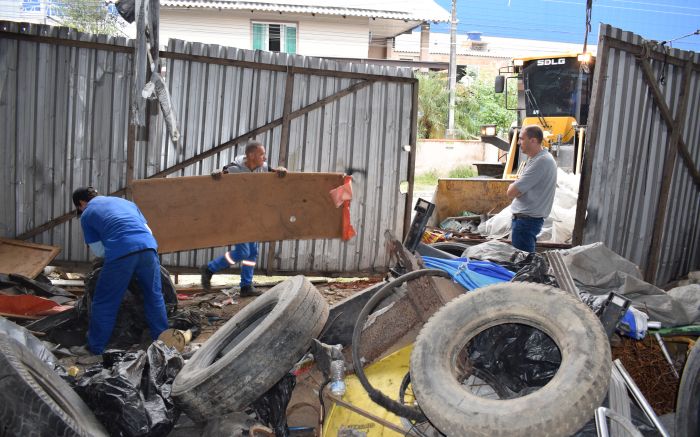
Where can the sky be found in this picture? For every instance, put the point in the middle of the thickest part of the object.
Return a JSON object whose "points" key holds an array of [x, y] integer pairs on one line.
{"points": [[564, 20]]}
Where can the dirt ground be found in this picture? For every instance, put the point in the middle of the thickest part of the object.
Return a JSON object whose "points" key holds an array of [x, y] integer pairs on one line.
{"points": [[222, 302]]}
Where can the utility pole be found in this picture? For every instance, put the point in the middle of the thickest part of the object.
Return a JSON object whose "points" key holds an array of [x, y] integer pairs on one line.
{"points": [[452, 73]]}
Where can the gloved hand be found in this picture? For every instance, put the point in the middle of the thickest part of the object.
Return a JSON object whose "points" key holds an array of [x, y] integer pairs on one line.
{"points": [[216, 174], [281, 171]]}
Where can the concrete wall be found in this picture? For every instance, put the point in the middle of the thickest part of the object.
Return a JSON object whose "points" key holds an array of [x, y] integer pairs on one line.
{"points": [[444, 155], [316, 36]]}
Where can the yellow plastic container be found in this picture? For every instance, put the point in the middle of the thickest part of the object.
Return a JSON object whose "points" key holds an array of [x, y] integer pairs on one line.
{"points": [[386, 376]]}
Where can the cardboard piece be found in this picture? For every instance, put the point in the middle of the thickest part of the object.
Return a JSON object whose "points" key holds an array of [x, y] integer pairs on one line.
{"points": [[195, 212], [26, 259]]}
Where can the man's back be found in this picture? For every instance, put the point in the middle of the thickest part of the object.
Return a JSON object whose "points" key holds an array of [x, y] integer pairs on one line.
{"points": [[118, 224]]}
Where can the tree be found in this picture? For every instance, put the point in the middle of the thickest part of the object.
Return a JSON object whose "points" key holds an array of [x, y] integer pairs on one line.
{"points": [[476, 104], [90, 16], [432, 105]]}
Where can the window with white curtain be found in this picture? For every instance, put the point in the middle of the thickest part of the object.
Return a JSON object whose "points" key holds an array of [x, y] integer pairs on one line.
{"points": [[275, 37]]}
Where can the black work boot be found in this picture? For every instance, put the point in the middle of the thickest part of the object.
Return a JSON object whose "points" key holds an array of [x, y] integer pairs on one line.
{"points": [[206, 277], [249, 291]]}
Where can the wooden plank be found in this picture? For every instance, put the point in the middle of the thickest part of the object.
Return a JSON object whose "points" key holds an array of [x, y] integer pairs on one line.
{"points": [[480, 196], [197, 212], [26, 259]]}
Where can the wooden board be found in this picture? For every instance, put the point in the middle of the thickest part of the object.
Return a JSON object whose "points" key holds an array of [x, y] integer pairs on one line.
{"points": [[195, 212], [480, 196], [26, 259]]}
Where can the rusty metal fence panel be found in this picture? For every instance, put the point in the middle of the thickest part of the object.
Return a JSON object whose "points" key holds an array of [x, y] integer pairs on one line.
{"points": [[64, 110], [628, 144]]}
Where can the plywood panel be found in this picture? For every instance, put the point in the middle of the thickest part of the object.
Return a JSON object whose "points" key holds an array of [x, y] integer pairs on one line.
{"points": [[26, 259], [480, 196], [196, 212]]}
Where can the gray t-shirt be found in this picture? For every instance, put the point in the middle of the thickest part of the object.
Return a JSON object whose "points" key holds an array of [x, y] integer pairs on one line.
{"points": [[238, 166], [537, 185]]}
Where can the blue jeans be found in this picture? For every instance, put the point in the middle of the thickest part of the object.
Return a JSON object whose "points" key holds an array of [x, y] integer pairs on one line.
{"points": [[524, 232], [112, 284], [244, 253]]}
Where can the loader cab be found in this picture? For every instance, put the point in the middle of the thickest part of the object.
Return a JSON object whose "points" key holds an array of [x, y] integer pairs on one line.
{"points": [[553, 92]]}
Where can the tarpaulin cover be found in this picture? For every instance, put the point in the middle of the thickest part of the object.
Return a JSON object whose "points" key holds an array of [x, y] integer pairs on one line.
{"points": [[470, 274], [598, 270], [130, 392]]}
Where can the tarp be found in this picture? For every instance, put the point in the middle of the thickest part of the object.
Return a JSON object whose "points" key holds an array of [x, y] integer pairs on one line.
{"points": [[598, 271], [470, 274]]}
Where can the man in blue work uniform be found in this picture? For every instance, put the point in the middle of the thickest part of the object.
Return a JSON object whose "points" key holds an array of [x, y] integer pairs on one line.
{"points": [[253, 161], [533, 192], [116, 230]]}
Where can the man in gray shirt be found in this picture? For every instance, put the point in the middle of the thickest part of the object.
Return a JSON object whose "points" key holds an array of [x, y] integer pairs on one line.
{"points": [[246, 254], [533, 192]]}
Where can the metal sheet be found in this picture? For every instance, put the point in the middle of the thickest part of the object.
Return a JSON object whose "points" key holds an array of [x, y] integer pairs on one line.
{"points": [[64, 121], [629, 151]]}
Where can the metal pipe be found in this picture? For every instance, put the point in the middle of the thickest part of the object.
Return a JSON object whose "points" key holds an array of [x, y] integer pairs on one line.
{"points": [[602, 425], [639, 397], [662, 345]]}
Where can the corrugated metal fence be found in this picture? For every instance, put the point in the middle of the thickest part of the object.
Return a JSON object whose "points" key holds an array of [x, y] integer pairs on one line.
{"points": [[64, 109], [639, 192]]}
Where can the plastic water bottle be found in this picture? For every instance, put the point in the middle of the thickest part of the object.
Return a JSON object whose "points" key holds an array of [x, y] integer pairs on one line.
{"points": [[338, 377]]}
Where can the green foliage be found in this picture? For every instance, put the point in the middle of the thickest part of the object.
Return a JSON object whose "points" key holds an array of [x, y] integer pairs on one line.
{"points": [[475, 105], [432, 105], [463, 171], [428, 178], [90, 16]]}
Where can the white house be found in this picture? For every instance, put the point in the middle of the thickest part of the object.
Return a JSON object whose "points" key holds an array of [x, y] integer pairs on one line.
{"points": [[326, 28]]}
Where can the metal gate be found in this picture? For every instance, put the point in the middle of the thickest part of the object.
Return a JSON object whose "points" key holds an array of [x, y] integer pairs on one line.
{"points": [[640, 182], [65, 99]]}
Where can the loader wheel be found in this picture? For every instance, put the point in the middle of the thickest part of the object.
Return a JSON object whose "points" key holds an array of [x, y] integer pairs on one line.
{"points": [[688, 402], [439, 363], [252, 351], [35, 401]]}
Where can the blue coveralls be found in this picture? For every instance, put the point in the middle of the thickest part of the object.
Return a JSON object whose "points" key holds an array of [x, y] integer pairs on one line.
{"points": [[244, 253], [130, 250]]}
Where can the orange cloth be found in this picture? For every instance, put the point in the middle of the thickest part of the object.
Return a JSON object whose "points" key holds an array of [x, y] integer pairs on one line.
{"points": [[342, 196]]}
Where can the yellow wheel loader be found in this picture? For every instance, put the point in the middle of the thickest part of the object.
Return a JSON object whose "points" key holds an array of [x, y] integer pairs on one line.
{"points": [[553, 92]]}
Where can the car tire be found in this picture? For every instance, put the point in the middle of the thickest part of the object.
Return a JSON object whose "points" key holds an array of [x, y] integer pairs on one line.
{"points": [[559, 408], [252, 351], [688, 401], [35, 401]]}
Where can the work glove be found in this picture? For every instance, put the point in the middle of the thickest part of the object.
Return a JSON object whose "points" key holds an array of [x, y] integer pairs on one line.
{"points": [[281, 171]]}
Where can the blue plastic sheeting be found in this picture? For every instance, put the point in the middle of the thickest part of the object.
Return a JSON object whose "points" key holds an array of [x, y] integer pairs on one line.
{"points": [[470, 274]]}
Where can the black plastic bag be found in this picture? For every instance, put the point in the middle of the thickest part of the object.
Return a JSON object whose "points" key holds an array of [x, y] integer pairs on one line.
{"points": [[126, 9], [130, 392], [272, 406], [514, 359], [534, 268]]}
